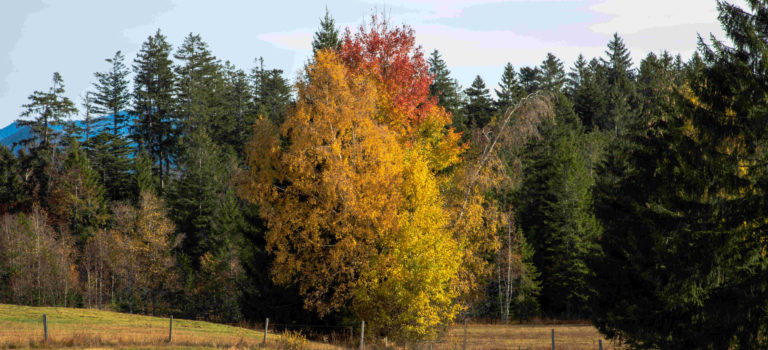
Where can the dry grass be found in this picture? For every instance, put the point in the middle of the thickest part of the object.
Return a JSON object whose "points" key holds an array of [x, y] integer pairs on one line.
{"points": [[526, 336], [22, 327]]}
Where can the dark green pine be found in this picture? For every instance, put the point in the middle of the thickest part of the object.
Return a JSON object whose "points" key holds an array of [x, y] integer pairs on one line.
{"points": [[327, 36], [112, 94], [156, 130], [480, 106]]}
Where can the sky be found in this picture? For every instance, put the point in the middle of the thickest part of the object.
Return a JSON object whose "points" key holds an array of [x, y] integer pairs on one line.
{"points": [[475, 37]]}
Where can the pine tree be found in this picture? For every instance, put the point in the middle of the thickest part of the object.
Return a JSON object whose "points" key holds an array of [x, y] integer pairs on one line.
{"points": [[684, 211], [590, 100], [576, 77], [529, 78], [327, 37], [621, 99], [555, 203], [111, 158], [511, 90], [46, 110], [199, 85], [552, 74], [446, 89], [195, 197], [479, 108], [112, 93], [271, 92], [11, 187], [236, 124], [155, 131], [77, 198]]}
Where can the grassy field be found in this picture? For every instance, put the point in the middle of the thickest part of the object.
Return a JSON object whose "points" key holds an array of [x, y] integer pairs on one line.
{"points": [[22, 327], [485, 336]]}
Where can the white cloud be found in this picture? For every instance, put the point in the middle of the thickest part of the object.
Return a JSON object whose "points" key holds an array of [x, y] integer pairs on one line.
{"points": [[296, 40]]}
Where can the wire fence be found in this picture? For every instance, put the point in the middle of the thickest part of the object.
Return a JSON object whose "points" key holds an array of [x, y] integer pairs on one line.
{"points": [[181, 332]]}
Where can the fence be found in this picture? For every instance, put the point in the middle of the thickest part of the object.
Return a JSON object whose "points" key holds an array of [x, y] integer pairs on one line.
{"points": [[477, 336]]}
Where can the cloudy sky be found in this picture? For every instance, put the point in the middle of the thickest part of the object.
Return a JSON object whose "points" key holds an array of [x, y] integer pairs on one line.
{"points": [[39, 37]]}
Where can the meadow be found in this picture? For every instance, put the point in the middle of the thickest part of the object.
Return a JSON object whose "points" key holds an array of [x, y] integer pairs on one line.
{"points": [[22, 327]]}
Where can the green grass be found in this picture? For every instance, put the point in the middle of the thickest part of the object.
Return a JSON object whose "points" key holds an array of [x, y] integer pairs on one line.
{"points": [[22, 327]]}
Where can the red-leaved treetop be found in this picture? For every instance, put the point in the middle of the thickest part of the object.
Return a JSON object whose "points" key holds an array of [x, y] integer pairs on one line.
{"points": [[390, 56]]}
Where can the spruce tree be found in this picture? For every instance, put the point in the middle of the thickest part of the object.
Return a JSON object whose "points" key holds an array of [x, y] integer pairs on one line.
{"points": [[12, 194], [45, 111], [683, 261], [511, 91], [271, 92], [112, 94], [236, 124], [327, 37], [589, 99], [575, 79], [199, 85], [529, 78], [555, 211], [195, 196], [479, 108], [155, 131], [620, 97], [444, 87], [552, 74]]}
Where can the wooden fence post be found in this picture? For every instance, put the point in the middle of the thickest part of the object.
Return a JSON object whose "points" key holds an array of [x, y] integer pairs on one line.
{"points": [[45, 328], [553, 339], [362, 333], [464, 347], [170, 330], [266, 328]]}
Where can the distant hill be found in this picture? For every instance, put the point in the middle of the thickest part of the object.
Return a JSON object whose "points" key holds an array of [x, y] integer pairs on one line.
{"points": [[14, 133]]}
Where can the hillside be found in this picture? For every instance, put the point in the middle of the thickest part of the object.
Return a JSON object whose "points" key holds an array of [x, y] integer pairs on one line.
{"points": [[13, 133], [22, 326]]}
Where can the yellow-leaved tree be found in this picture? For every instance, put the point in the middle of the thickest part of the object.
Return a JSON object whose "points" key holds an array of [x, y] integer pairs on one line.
{"points": [[354, 209]]}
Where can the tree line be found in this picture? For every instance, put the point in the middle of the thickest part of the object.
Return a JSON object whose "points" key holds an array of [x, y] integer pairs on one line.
{"points": [[377, 188]]}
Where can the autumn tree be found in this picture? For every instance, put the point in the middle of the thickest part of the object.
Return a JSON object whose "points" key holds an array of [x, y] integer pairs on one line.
{"points": [[36, 266], [343, 211], [142, 260]]}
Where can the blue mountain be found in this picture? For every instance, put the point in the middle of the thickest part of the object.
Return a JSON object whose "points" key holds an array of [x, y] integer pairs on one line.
{"points": [[14, 133]]}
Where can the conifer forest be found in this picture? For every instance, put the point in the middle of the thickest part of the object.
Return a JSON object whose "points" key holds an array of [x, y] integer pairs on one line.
{"points": [[373, 186]]}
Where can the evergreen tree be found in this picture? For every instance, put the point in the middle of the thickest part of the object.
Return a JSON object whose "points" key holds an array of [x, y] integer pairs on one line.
{"points": [[46, 110], [552, 74], [327, 37], [555, 203], [199, 85], [589, 99], [12, 194], [195, 197], [112, 95], [77, 198], [155, 131], [683, 261], [529, 78], [479, 108], [446, 89], [236, 126], [111, 158], [621, 99], [576, 77], [143, 179], [511, 91], [271, 92]]}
